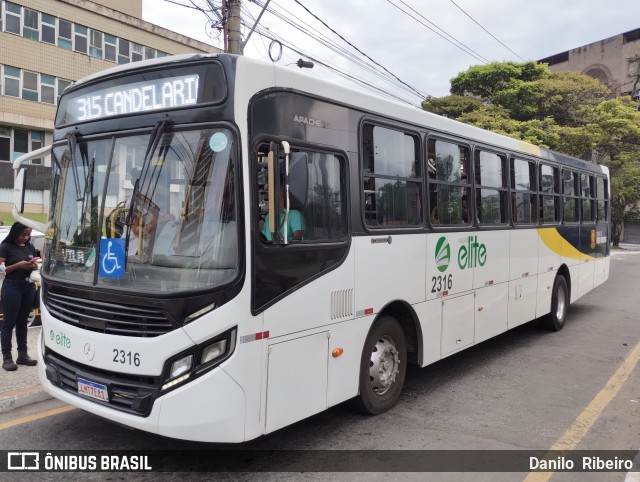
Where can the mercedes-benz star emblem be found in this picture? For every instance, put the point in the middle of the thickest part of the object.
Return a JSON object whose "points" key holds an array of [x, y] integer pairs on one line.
{"points": [[89, 351]]}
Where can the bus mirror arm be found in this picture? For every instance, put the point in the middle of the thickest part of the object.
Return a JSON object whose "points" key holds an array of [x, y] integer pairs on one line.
{"points": [[285, 229], [271, 188], [19, 188]]}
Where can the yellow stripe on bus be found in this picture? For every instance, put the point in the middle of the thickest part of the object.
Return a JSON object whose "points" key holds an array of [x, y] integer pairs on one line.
{"points": [[556, 243], [529, 148]]}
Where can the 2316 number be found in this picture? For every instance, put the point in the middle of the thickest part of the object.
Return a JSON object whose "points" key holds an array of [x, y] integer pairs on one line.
{"points": [[126, 358], [443, 282]]}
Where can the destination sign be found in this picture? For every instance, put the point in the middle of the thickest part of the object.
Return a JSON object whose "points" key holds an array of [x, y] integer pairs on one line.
{"points": [[145, 96]]}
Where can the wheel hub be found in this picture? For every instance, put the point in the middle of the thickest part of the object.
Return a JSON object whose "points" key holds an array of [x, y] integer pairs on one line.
{"points": [[383, 366], [561, 305]]}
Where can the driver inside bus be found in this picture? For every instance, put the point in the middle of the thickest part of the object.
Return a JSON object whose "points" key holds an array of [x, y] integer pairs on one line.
{"points": [[295, 223]]}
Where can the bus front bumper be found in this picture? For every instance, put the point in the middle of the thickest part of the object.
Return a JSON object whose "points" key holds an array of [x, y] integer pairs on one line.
{"points": [[211, 408]]}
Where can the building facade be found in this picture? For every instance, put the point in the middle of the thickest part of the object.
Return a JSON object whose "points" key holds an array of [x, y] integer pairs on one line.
{"points": [[46, 45], [614, 61]]}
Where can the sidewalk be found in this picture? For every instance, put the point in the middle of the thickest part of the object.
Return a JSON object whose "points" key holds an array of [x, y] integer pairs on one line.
{"points": [[22, 387]]}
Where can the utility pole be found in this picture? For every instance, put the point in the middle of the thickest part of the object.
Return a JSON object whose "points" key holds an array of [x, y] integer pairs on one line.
{"points": [[233, 39]]}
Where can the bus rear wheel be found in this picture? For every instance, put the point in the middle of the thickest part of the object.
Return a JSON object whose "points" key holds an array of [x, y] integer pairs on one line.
{"points": [[383, 367], [555, 320]]}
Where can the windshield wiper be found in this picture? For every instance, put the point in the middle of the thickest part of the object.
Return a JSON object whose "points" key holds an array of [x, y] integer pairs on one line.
{"points": [[154, 139], [72, 139]]}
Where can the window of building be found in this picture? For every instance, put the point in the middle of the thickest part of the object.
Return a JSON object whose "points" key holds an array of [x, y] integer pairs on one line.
{"points": [[491, 188], [110, 47], [149, 53], [48, 29], [523, 192], [20, 141], [588, 194], [47, 89], [37, 141], [30, 86], [391, 177], [80, 38], [62, 84], [602, 195], [570, 193], [11, 81], [1, 17], [137, 52], [449, 182], [5, 144], [123, 51], [549, 194], [31, 27], [13, 18], [95, 45], [64, 34]]}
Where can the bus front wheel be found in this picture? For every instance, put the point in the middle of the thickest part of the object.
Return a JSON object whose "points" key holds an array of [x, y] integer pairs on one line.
{"points": [[559, 305], [382, 367]]}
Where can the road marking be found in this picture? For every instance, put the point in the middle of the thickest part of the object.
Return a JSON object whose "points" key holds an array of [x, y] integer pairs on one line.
{"points": [[36, 416], [574, 434]]}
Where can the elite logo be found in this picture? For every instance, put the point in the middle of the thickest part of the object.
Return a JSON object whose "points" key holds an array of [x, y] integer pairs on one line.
{"points": [[60, 339], [470, 254], [443, 254]]}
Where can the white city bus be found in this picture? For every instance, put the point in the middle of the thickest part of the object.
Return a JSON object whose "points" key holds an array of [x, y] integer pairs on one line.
{"points": [[172, 302]]}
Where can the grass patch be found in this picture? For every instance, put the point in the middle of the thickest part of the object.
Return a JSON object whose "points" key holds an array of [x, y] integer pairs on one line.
{"points": [[7, 218]]}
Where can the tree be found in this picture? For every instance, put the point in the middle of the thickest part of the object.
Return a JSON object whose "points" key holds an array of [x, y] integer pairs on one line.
{"points": [[565, 111], [452, 106], [618, 147], [483, 80]]}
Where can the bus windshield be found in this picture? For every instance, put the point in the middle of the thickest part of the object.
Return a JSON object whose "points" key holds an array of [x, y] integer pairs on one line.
{"points": [[149, 212]]}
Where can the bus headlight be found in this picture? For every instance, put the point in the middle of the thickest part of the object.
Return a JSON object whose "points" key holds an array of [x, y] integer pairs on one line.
{"points": [[198, 360], [179, 372], [183, 365], [213, 351]]}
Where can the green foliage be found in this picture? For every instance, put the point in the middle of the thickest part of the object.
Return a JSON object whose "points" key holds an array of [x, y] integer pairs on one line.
{"points": [[452, 106], [484, 80]]}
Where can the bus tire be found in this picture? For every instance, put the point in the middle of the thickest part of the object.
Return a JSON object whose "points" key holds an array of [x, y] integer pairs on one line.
{"points": [[383, 367], [555, 320]]}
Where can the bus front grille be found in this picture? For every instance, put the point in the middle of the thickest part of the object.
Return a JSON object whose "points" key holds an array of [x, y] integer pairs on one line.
{"points": [[110, 318], [128, 393]]}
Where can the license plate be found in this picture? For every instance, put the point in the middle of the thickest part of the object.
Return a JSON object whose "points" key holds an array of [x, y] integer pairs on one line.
{"points": [[93, 389]]}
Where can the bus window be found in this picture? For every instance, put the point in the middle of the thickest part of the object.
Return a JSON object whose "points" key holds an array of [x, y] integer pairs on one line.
{"points": [[316, 203], [570, 196], [450, 189], [588, 198], [491, 188], [549, 194], [392, 183], [523, 192], [602, 196]]}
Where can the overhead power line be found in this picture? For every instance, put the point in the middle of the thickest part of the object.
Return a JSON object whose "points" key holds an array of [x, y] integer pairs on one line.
{"points": [[452, 40], [494, 37], [358, 61], [360, 51]]}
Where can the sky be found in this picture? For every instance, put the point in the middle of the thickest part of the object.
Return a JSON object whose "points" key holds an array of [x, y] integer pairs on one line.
{"points": [[404, 46]]}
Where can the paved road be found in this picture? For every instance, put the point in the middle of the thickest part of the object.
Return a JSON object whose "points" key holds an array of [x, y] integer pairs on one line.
{"points": [[526, 389]]}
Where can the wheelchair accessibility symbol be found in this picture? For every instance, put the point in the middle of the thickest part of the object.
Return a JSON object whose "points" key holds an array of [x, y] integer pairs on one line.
{"points": [[111, 258]]}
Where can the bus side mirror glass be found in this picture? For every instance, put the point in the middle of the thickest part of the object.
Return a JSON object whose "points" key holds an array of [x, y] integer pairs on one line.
{"points": [[19, 189]]}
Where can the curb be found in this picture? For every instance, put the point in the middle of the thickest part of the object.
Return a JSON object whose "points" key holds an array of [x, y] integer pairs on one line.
{"points": [[22, 397]]}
